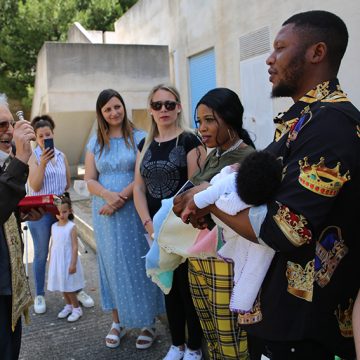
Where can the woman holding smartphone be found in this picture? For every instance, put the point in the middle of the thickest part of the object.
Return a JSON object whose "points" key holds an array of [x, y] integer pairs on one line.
{"points": [[49, 173]]}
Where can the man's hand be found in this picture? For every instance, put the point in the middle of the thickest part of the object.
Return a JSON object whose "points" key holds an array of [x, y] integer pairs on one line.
{"points": [[32, 215], [23, 135]]}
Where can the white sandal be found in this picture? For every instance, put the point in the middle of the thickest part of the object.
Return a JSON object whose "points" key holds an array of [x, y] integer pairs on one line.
{"points": [[114, 337], [149, 339]]}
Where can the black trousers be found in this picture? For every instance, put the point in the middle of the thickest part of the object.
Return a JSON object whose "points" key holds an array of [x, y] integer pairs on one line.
{"points": [[180, 311], [9, 341], [288, 350]]}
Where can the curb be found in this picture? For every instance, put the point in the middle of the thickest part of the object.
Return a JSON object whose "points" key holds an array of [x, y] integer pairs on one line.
{"points": [[85, 232]]}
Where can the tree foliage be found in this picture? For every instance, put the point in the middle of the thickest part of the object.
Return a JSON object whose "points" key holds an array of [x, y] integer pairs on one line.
{"points": [[26, 24]]}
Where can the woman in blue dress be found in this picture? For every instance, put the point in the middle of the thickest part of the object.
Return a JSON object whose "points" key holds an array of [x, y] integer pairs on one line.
{"points": [[109, 171]]}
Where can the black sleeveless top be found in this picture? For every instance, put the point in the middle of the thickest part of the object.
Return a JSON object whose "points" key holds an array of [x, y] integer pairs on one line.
{"points": [[164, 168]]}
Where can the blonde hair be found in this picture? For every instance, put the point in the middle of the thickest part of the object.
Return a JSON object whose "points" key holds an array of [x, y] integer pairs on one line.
{"points": [[153, 132]]}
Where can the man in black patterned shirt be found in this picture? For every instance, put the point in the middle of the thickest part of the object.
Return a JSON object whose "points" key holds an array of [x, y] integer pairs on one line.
{"points": [[307, 297]]}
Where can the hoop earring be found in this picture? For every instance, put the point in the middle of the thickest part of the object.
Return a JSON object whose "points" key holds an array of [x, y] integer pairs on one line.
{"points": [[231, 136]]}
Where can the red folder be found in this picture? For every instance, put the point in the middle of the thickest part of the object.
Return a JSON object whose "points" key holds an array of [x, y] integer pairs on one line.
{"points": [[49, 203]]}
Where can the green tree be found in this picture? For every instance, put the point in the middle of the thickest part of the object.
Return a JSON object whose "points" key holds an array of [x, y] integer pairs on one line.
{"points": [[26, 24]]}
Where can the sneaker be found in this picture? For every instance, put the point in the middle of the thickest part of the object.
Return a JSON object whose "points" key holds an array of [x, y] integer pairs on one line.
{"points": [[85, 299], [174, 353], [39, 304], [76, 314], [192, 354], [65, 312]]}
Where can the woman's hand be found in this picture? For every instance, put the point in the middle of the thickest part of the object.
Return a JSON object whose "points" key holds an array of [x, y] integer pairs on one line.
{"points": [[184, 200], [46, 156], [107, 210], [150, 229], [190, 209], [114, 199], [198, 221]]}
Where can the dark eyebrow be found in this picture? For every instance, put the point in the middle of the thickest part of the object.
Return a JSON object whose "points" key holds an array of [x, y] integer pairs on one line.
{"points": [[278, 42]]}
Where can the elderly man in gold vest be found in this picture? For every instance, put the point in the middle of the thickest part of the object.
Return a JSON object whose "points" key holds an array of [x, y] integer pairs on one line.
{"points": [[15, 296]]}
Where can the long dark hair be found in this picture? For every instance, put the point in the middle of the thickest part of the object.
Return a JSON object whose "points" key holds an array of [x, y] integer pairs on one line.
{"points": [[127, 126], [228, 107]]}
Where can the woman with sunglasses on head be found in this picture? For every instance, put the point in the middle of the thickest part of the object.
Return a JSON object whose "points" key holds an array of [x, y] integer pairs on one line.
{"points": [[167, 158], [109, 171], [219, 119]]}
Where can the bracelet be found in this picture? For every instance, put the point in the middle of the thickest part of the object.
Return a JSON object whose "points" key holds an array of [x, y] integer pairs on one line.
{"points": [[146, 222]]}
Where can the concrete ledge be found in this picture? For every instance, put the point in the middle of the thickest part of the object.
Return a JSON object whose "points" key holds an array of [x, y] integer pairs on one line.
{"points": [[85, 232]]}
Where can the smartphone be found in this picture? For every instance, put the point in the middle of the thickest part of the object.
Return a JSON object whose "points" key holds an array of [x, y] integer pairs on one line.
{"points": [[188, 185], [49, 143]]}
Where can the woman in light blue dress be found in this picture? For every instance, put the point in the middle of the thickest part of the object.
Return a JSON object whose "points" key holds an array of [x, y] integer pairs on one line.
{"points": [[109, 171]]}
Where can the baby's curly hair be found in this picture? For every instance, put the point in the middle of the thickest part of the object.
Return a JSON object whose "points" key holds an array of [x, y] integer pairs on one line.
{"points": [[259, 178]]}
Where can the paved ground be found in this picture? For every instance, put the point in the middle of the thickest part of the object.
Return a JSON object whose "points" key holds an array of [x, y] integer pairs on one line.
{"points": [[48, 338]]}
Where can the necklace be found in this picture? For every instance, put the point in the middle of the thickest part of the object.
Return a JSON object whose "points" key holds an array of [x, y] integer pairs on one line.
{"points": [[167, 139], [231, 148]]}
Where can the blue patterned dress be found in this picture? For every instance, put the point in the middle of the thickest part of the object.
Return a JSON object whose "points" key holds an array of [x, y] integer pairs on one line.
{"points": [[121, 243]]}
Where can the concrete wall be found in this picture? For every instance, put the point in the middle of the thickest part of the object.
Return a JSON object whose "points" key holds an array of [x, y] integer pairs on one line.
{"points": [[70, 77], [189, 27], [78, 34], [157, 38]]}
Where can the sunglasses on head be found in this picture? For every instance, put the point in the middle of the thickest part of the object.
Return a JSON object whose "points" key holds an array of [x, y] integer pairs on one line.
{"points": [[169, 105], [4, 125]]}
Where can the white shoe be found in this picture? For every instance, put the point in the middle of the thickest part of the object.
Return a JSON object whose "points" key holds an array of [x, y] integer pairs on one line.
{"points": [[85, 299], [192, 354], [39, 304], [65, 312], [174, 353], [75, 314]]}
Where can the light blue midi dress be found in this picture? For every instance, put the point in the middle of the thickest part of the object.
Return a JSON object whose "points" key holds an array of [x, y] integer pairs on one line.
{"points": [[120, 240]]}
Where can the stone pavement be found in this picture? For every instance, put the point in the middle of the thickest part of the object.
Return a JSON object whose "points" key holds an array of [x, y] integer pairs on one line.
{"points": [[48, 338]]}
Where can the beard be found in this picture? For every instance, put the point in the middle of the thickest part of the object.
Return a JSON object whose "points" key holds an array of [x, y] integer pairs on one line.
{"points": [[288, 86]]}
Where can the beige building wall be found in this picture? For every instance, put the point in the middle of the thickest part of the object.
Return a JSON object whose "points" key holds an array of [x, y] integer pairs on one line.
{"points": [[157, 39], [70, 77], [189, 27]]}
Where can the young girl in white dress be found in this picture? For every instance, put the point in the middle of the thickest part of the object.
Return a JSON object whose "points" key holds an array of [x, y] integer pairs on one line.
{"points": [[65, 270]]}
